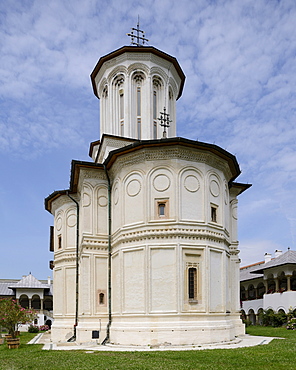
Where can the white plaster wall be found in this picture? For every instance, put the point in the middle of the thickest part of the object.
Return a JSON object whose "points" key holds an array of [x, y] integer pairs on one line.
{"points": [[100, 273], [163, 280], [191, 189], [278, 301], [216, 275], [134, 281], [133, 200]]}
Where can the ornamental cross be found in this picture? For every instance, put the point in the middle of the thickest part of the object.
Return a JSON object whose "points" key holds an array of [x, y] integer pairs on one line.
{"points": [[164, 121], [140, 36]]}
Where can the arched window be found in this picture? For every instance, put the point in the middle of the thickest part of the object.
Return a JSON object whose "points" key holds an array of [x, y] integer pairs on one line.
{"points": [[282, 282], [293, 281], [101, 298], [260, 290], [171, 111], [243, 293], [47, 304], [260, 316], [138, 79], [118, 85], [157, 85], [270, 284], [24, 301], [243, 315], [252, 316], [36, 303], [104, 116], [251, 292]]}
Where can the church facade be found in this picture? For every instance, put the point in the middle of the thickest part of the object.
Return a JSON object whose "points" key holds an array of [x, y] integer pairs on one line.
{"points": [[145, 238]]}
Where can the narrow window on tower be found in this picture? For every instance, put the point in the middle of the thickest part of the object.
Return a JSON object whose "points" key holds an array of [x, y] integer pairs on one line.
{"points": [[192, 283], [121, 112], [154, 114], [214, 213], [139, 112], [59, 241], [171, 112]]}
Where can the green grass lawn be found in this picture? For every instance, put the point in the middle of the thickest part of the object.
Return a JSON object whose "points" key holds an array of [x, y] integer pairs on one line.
{"points": [[279, 354]]}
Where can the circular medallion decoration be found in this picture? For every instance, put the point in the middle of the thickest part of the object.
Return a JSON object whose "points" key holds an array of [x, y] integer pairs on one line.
{"points": [[133, 188], [71, 220], [86, 200], [214, 188], [161, 182], [103, 201], [116, 195], [234, 212], [191, 183], [59, 223]]}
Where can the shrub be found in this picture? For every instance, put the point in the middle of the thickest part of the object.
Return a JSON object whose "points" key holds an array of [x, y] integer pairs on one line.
{"points": [[33, 329], [292, 324], [270, 318]]}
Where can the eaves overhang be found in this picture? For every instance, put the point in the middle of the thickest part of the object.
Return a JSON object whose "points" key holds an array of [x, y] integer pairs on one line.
{"points": [[239, 187], [212, 148], [261, 271], [138, 49], [74, 178]]}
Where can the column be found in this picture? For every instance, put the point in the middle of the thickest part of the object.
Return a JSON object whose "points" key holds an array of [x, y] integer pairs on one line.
{"points": [[288, 282], [276, 284]]}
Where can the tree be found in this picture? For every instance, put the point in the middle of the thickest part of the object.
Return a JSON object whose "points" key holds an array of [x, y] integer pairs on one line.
{"points": [[12, 314]]}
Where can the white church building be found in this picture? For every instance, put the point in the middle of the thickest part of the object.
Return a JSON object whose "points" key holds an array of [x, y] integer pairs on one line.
{"points": [[145, 238]]}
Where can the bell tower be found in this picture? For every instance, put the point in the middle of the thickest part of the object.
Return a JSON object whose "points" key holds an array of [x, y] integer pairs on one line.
{"points": [[134, 84]]}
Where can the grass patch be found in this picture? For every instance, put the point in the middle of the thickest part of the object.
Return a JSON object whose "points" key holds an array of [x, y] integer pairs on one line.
{"points": [[279, 354]]}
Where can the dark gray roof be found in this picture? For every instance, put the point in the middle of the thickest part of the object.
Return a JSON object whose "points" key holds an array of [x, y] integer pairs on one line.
{"points": [[5, 290], [286, 258], [246, 273]]}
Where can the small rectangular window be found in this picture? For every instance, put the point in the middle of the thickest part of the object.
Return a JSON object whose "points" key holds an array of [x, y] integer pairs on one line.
{"points": [[213, 213], [162, 208], [59, 241], [192, 283]]}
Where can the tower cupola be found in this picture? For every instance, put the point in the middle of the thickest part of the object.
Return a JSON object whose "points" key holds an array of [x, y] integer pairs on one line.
{"points": [[134, 84]]}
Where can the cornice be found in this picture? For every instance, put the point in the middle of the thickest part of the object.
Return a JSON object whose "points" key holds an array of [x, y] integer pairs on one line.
{"points": [[172, 233], [174, 152], [91, 243]]}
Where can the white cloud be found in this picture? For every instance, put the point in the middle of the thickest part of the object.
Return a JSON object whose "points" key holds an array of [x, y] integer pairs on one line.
{"points": [[240, 67]]}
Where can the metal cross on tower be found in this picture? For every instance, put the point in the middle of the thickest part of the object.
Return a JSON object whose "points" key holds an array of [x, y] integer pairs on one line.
{"points": [[140, 36], [164, 121]]}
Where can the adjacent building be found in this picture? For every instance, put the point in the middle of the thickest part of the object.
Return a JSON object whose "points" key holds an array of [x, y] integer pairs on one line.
{"points": [[269, 284], [31, 293]]}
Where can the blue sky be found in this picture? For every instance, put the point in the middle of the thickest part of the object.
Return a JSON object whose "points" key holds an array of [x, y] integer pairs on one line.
{"points": [[239, 58]]}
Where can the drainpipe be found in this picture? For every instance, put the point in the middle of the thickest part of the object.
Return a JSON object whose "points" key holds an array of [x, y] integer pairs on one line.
{"points": [[107, 339], [73, 338]]}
